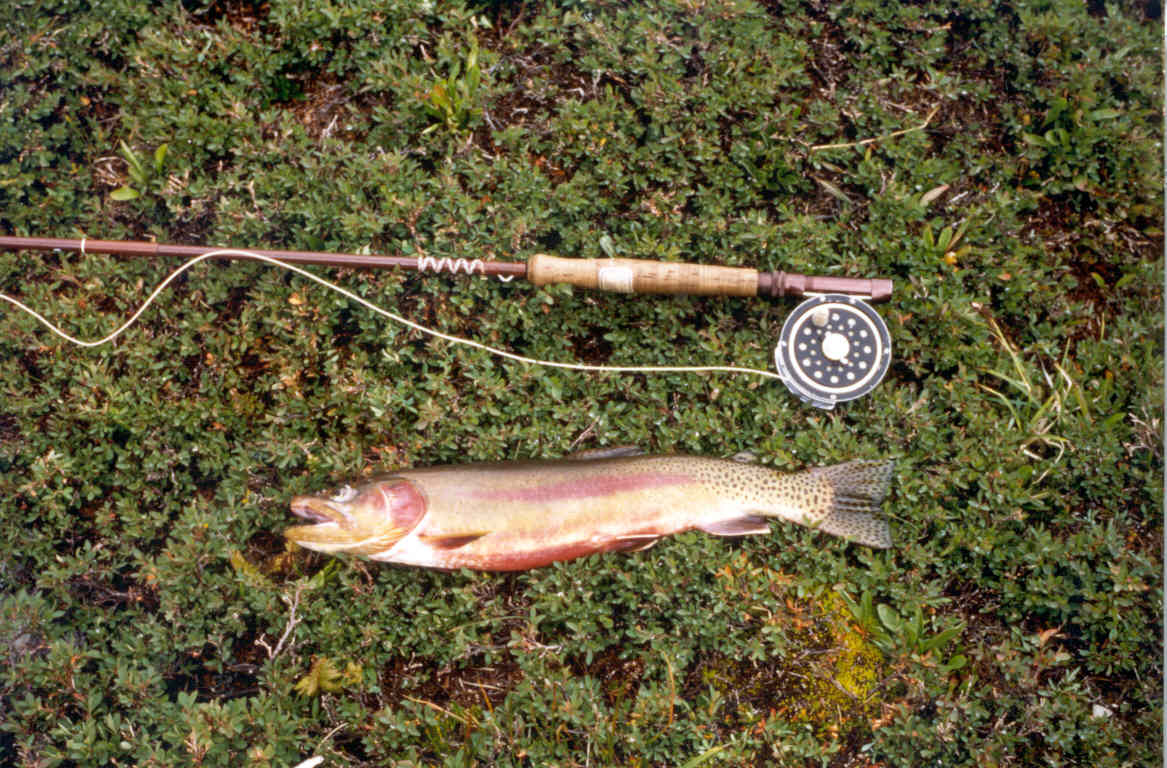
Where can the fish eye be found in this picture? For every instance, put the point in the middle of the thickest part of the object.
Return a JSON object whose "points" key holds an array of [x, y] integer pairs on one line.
{"points": [[344, 494]]}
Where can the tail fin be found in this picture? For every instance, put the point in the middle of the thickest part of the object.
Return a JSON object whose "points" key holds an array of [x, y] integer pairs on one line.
{"points": [[858, 488]]}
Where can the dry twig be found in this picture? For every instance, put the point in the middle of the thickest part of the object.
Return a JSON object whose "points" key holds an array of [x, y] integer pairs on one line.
{"points": [[864, 142]]}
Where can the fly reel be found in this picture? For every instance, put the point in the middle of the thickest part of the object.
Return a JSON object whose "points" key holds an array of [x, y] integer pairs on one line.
{"points": [[833, 348]]}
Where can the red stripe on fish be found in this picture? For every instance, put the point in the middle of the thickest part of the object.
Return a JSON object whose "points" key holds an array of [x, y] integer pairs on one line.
{"points": [[588, 487]]}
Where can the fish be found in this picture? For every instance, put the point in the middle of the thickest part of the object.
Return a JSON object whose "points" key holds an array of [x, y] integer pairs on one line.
{"points": [[518, 515]]}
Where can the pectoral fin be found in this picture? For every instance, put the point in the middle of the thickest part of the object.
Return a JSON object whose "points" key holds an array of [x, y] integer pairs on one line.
{"points": [[452, 541], [737, 526]]}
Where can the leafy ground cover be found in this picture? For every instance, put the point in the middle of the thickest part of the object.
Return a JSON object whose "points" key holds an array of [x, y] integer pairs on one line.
{"points": [[1002, 161]]}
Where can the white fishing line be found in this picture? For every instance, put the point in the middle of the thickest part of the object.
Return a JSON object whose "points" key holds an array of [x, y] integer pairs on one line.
{"points": [[384, 313]]}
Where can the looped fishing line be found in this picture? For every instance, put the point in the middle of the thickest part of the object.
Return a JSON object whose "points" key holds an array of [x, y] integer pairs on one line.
{"points": [[384, 313]]}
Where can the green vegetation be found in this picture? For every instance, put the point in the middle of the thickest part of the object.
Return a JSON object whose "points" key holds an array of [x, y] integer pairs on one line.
{"points": [[1002, 161]]}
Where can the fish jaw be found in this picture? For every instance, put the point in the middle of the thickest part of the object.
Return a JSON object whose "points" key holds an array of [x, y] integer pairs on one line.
{"points": [[364, 522], [326, 533], [317, 509]]}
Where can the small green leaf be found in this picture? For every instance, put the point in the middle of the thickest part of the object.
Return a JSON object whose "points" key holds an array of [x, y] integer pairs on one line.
{"points": [[137, 172], [700, 759], [1113, 420], [936, 642], [889, 617], [321, 577], [122, 194], [945, 239], [956, 663], [472, 72]]}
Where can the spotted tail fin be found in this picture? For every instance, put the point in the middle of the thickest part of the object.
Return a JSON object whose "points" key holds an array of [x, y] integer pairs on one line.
{"points": [[858, 488]]}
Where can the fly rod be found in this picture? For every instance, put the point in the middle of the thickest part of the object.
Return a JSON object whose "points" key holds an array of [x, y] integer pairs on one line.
{"points": [[833, 347], [620, 275]]}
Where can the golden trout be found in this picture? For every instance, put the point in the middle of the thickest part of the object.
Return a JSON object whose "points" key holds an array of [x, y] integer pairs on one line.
{"points": [[512, 516]]}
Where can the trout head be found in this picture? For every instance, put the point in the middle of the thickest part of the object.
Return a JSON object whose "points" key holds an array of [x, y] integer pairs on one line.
{"points": [[363, 521]]}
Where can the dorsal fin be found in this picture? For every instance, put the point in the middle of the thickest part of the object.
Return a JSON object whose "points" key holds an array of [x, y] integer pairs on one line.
{"points": [[610, 452], [745, 457]]}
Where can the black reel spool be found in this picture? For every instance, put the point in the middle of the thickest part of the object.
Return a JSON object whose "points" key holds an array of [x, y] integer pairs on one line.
{"points": [[833, 348]]}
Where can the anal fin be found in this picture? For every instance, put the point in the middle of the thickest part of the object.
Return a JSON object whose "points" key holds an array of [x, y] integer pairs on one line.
{"points": [[637, 542], [745, 525]]}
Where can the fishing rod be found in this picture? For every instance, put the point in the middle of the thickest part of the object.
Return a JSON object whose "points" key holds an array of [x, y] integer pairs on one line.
{"points": [[833, 347], [620, 275]]}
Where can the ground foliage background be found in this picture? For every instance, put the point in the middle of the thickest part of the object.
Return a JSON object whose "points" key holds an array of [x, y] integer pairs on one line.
{"points": [[150, 614]]}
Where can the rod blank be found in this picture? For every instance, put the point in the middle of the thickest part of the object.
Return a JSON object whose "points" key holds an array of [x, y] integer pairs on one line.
{"points": [[622, 275]]}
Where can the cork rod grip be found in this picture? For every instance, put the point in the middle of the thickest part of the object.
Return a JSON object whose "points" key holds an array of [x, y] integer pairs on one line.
{"points": [[642, 276]]}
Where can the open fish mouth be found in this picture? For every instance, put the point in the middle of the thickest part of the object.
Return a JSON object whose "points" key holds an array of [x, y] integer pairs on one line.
{"points": [[314, 509], [327, 534]]}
